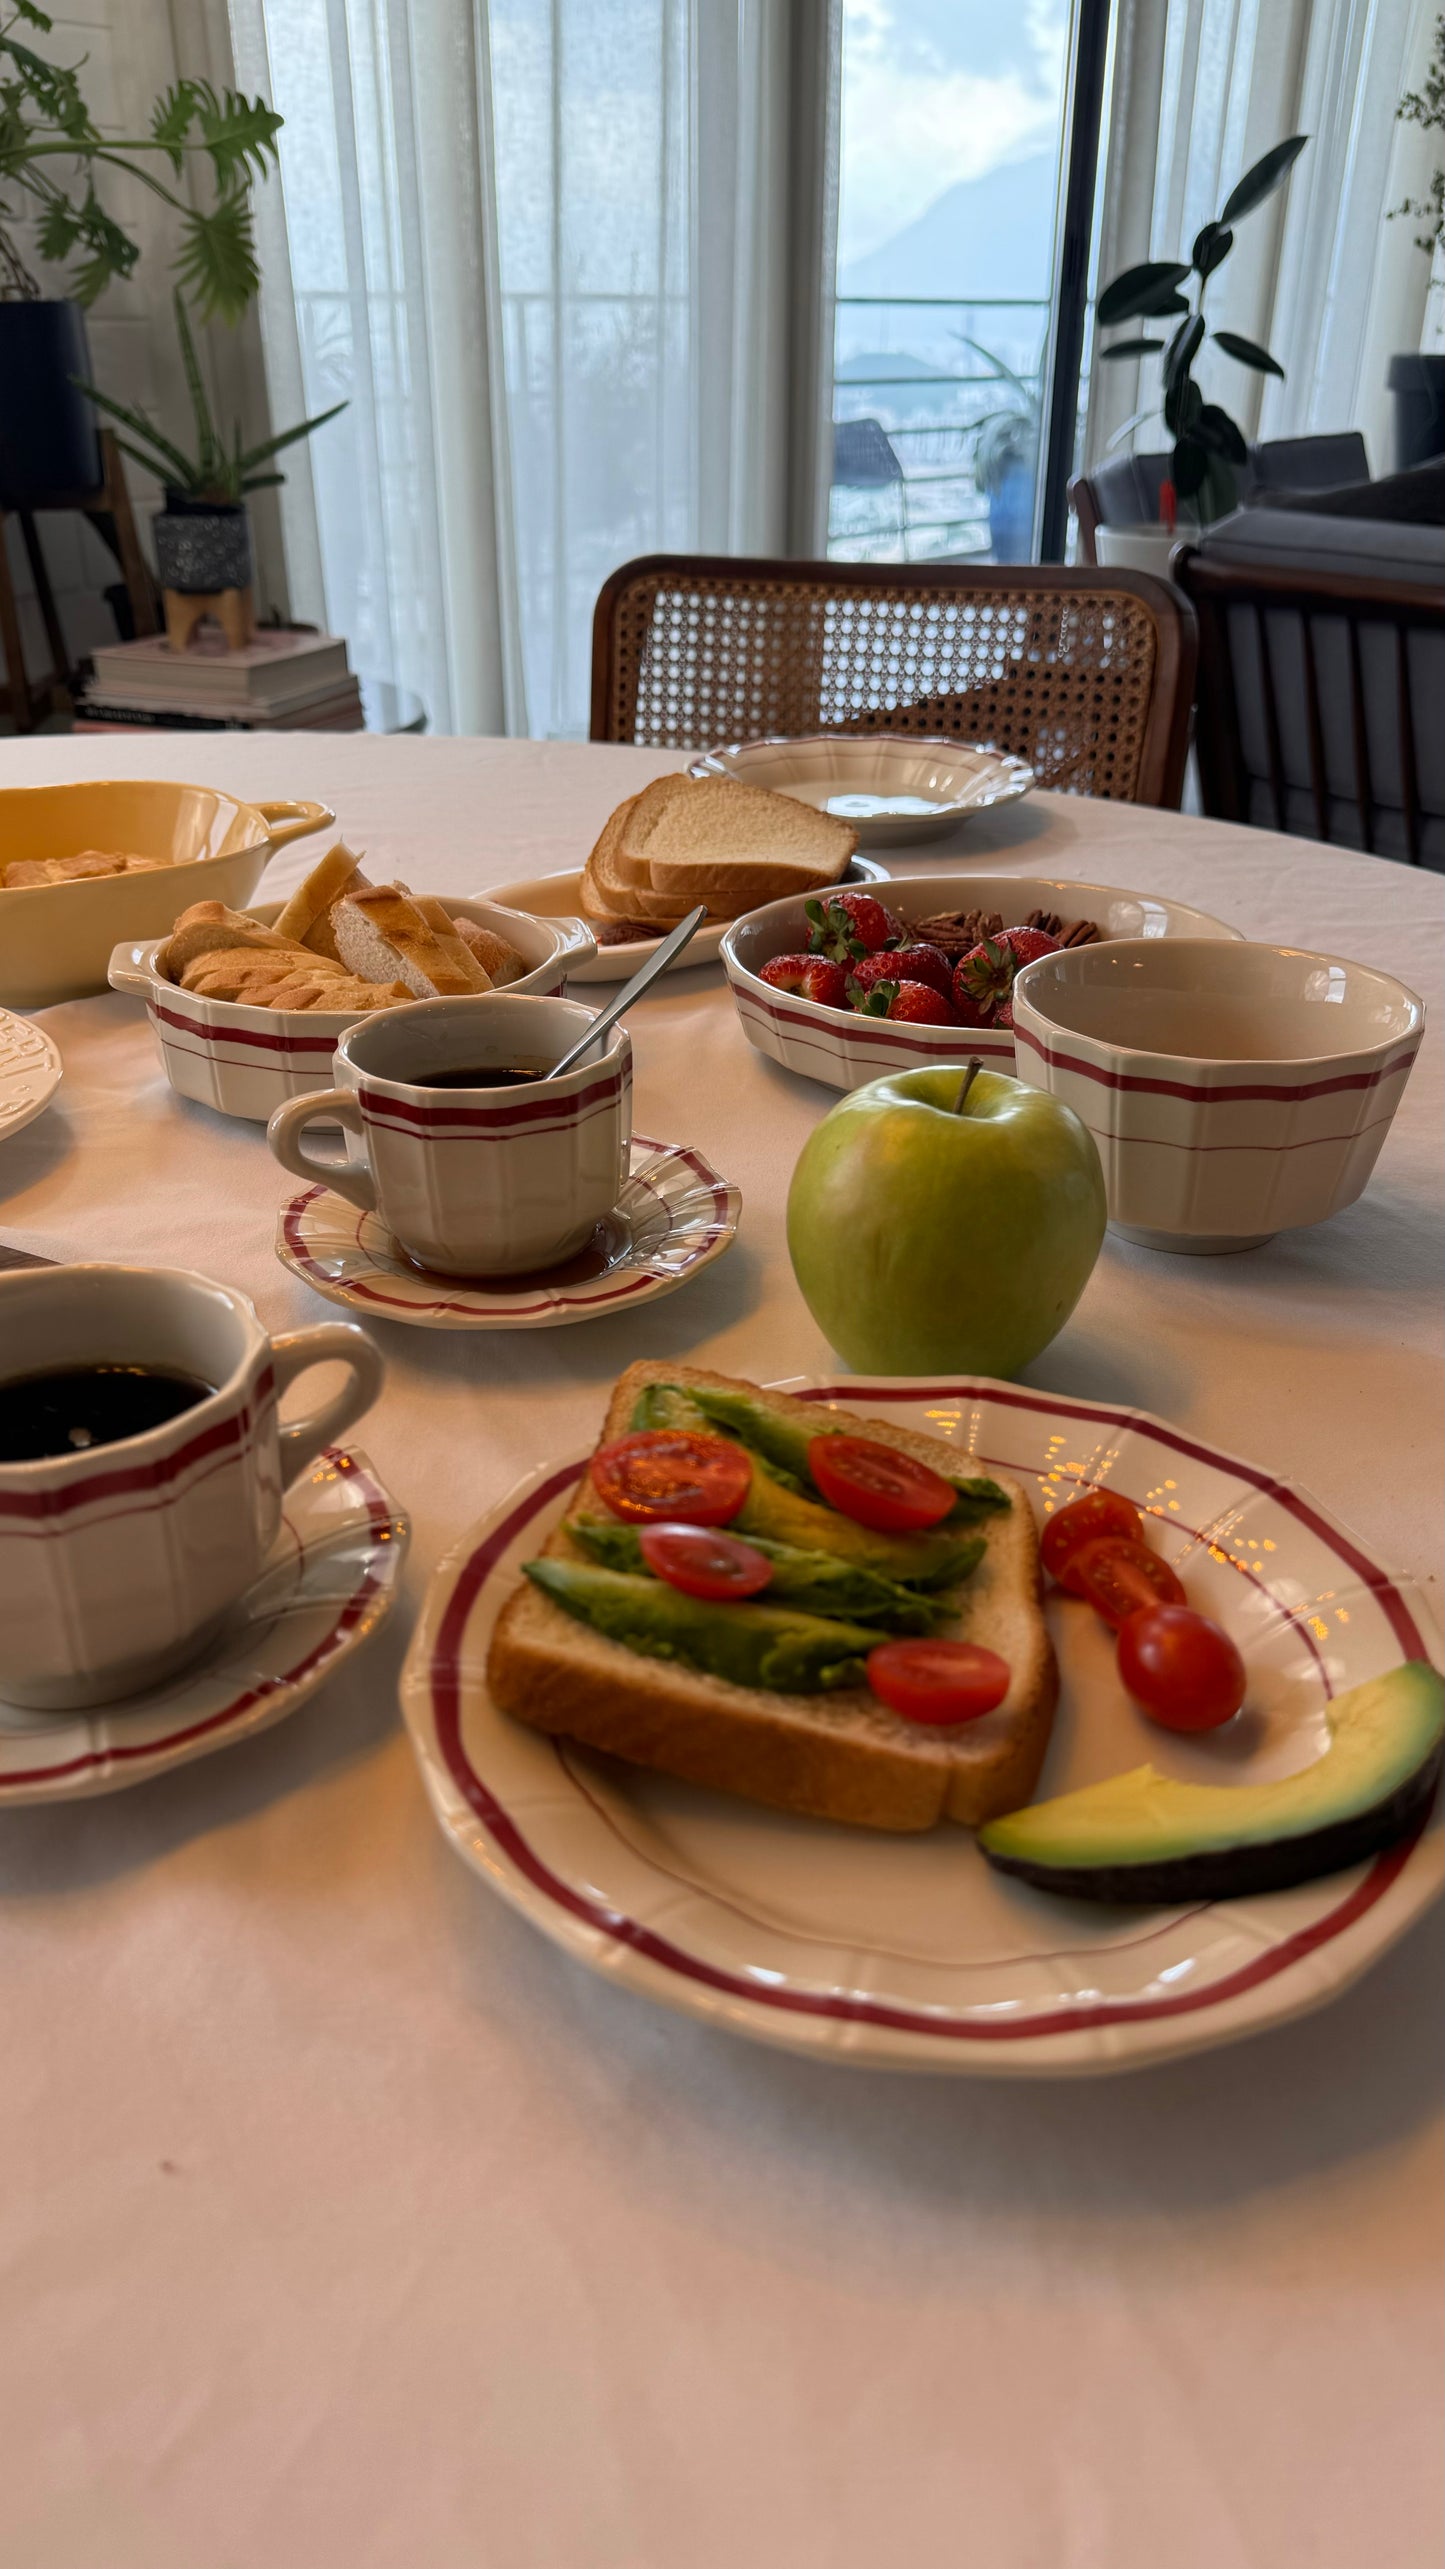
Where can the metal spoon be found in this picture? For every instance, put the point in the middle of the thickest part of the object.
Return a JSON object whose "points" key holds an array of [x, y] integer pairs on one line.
{"points": [[606, 1018]]}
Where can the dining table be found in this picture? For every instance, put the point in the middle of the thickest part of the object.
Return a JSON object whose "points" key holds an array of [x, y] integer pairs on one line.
{"points": [[347, 2223]]}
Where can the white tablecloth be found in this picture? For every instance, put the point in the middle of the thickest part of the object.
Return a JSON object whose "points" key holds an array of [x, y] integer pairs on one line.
{"points": [[345, 2225]]}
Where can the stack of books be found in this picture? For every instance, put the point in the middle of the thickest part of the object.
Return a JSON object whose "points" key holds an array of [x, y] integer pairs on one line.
{"points": [[284, 679]]}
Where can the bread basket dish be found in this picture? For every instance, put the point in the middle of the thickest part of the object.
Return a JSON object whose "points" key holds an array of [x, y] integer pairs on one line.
{"points": [[189, 843], [831, 1041], [248, 1060]]}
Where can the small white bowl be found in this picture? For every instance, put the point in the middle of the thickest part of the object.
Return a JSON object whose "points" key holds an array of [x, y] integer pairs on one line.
{"points": [[844, 1050], [1233, 1091], [554, 896], [248, 1061], [894, 789]]}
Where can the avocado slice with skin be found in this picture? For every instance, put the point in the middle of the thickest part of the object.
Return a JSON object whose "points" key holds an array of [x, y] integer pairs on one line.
{"points": [[1143, 1837], [815, 1581], [779, 1508], [775, 1647], [784, 1443]]}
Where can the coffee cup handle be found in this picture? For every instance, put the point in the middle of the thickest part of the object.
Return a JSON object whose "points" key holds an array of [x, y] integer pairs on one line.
{"points": [[329, 1342], [337, 1106]]}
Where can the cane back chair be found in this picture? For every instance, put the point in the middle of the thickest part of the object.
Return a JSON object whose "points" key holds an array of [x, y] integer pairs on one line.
{"points": [[1086, 674]]}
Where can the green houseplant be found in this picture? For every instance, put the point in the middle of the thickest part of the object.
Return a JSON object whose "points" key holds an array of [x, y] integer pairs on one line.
{"points": [[1417, 379], [57, 168], [202, 537], [1209, 446]]}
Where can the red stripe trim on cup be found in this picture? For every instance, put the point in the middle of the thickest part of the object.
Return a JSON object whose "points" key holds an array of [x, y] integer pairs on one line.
{"points": [[244, 1035], [129, 1479], [1261, 1092], [1269, 1150], [445, 1689], [377, 1104]]}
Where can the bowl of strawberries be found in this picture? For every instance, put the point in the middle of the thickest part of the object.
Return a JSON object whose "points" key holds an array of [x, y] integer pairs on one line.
{"points": [[853, 983]]}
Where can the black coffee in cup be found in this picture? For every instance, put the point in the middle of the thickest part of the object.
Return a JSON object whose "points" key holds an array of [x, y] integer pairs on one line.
{"points": [[485, 1075], [76, 1407]]}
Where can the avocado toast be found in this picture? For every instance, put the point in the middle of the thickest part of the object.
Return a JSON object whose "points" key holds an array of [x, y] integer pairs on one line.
{"points": [[767, 1699]]}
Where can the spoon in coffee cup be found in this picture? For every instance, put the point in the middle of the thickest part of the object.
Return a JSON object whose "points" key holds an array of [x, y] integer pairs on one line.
{"points": [[606, 1018]]}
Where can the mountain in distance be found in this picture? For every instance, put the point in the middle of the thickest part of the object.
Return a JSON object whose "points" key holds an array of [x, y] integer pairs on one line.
{"points": [[985, 238]]}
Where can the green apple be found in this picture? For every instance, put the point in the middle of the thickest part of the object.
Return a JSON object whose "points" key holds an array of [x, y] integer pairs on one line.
{"points": [[929, 1237]]}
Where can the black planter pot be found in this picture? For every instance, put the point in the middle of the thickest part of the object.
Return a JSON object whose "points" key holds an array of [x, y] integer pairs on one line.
{"points": [[1418, 384], [202, 546], [48, 438]]}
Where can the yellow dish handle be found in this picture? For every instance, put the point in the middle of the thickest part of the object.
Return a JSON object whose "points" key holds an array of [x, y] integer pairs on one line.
{"points": [[287, 821]]}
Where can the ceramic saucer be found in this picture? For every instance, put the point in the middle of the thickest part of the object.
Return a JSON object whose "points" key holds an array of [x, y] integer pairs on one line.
{"points": [[331, 1579], [29, 1072], [675, 1217]]}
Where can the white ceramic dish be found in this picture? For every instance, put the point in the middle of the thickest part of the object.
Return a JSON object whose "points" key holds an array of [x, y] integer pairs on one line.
{"points": [[248, 1061], [675, 1216], [910, 1953], [56, 938], [331, 1580], [557, 896], [29, 1072], [895, 790], [844, 1050], [1232, 1093]]}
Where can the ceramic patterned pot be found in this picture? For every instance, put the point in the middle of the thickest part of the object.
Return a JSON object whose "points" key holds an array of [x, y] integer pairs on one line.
{"points": [[200, 550]]}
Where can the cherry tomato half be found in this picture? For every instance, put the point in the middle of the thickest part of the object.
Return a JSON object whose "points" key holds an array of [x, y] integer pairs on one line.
{"points": [[1180, 1668], [878, 1486], [1119, 1577], [703, 1562], [1086, 1520], [668, 1472], [937, 1681]]}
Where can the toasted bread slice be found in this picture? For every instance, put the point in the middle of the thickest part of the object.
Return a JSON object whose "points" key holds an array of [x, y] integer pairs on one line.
{"points": [[612, 888], [630, 859], [307, 915], [382, 936], [737, 845], [840, 1756]]}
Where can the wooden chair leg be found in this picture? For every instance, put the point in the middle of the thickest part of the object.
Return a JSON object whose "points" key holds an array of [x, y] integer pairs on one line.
{"points": [[132, 561], [40, 574], [17, 688]]}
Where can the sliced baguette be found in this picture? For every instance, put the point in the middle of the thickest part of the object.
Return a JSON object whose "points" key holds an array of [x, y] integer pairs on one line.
{"points": [[837, 1756], [737, 845], [307, 915], [382, 936], [208, 927]]}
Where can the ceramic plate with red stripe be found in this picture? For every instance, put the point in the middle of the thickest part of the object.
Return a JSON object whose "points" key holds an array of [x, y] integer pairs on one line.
{"points": [[29, 1071], [675, 1217], [910, 1952], [331, 1579]]}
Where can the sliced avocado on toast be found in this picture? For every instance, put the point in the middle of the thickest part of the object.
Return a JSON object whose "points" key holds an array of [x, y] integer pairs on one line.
{"points": [[783, 1443], [1143, 1837], [775, 1647], [817, 1581]]}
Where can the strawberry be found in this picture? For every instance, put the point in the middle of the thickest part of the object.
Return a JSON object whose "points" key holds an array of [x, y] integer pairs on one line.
{"points": [[808, 976], [985, 978], [928, 964], [908, 1003], [849, 925], [869, 971]]}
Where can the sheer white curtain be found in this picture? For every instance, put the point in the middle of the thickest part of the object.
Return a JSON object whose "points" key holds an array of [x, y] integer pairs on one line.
{"points": [[1201, 88], [567, 261]]}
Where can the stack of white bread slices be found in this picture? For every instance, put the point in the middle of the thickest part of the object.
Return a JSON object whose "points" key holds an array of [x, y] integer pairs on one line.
{"points": [[340, 944], [686, 839]]}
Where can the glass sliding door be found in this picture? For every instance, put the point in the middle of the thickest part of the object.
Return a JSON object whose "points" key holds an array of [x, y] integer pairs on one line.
{"points": [[954, 148]]}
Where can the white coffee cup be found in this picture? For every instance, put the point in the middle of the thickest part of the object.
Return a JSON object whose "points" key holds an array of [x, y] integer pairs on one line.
{"points": [[483, 1181], [118, 1562]]}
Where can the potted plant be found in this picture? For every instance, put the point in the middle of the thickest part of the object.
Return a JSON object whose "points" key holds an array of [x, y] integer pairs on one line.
{"points": [[1418, 380], [55, 163], [203, 534], [1209, 446], [1006, 457]]}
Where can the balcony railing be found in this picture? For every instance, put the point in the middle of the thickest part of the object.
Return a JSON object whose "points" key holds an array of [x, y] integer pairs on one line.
{"points": [[908, 478]]}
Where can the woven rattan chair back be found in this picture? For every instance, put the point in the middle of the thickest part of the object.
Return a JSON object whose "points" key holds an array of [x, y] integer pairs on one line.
{"points": [[1086, 674]]}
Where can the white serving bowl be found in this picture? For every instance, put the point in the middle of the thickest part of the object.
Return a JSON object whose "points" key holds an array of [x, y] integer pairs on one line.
{"points": [[1233, 1091], [895, 790], [56, 938], [844, 1050], [248, 1061], [554, 896]]}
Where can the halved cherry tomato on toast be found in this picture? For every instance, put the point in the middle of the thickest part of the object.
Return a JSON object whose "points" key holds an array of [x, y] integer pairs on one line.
{"points": [[937, 1681], [668, 1472], [1119, 1577], [704, 1562], [1180, 1668], [878, 1486], [1086, 1520]]}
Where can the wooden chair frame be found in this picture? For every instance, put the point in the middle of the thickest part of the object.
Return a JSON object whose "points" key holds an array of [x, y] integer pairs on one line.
{"points": [[1402, 607], [109, 509], [1159, 775]]}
